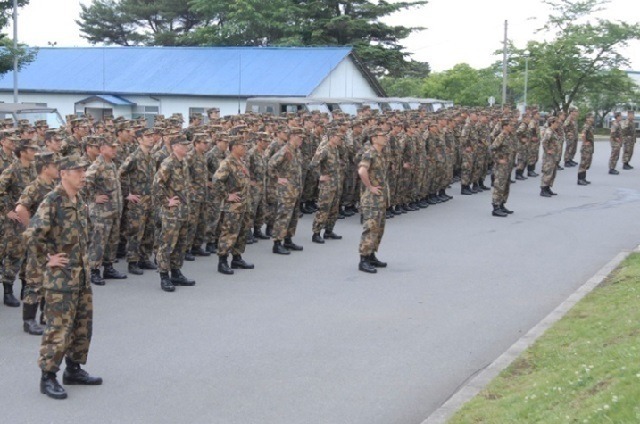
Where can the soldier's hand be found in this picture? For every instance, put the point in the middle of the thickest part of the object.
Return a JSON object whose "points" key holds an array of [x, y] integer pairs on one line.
{"points": [[12, 215], [375, 190], [324, 178], [283, 181], [133, 198], [102, 198], [23, 214], [59, 260], [234, 198], [174, 201], [406, 165]]}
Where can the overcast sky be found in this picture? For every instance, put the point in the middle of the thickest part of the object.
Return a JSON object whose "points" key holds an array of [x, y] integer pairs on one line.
{"points": [[457, 30]]}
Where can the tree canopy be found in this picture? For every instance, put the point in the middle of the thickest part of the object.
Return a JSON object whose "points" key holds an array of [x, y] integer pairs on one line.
{"points": [[258, 23], [7, 52]]}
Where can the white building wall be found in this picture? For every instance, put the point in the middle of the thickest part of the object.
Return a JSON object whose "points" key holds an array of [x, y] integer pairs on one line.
{"points": [[345, 80]]}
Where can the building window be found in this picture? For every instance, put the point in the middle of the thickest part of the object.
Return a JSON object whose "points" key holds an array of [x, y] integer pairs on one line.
{"points": [[147, 112]]}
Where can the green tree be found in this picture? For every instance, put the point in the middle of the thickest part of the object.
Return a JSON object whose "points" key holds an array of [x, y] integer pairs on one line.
{"points": [[463, 85], [581, 56], [24, 54]]}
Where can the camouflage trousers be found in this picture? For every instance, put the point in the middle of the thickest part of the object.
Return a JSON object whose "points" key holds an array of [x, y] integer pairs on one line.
{"points": [[349, 185], [14, 247], [123, 237], [438, 178], [534, 152], [373, 223], [466, 167], [549, 169], [69, 325], [233, 231], [421, 176], [523, 155], [258, 207], [427, 177], [197, 223], [140, 229], [570, 150], [104, 239], [172, 243], [502, 179], [627, 152], [615, 154], [310, 187], [328, 207], [213, 211], [586, 156], [271, 200], [286, 220], [34, 274]]}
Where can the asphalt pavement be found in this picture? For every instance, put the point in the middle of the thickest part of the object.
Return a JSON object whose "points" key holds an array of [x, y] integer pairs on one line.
{"points": [[307, 338]]}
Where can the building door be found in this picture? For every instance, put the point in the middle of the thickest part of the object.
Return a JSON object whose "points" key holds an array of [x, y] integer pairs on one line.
{"points": [[98, 113]]}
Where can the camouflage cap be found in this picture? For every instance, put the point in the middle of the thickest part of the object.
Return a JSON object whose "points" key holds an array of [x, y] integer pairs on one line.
{"points": [[237, 141], [377, 130], [213, 109], [296, 131], [28, 143], [49, 134], [7, 121], [41, 123], [179, 139], [108, 141], [44, 158], [92, 140], [72, 162], [201, 137], [147, 131]]}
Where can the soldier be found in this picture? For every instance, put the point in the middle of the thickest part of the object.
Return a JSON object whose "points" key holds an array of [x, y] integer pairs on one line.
{"points": [[616, 143], [41, 129], [285, 168], [522, 137], [104, 196], [571, 133], [550, 147], [374, 200], [468, 140], [257, 166], [136, 178], [232, 183], [214, 157], [271, 193], [27, 206], [53, 143], [58, 237], [171, 191], [501, 170], [327, 161], [629, 139], [534, 144], [13, 181], [199, 178], [586, 151], [73, 144]]}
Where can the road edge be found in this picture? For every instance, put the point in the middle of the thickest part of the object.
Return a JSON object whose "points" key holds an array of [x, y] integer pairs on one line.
{"points": [[471, 388]]}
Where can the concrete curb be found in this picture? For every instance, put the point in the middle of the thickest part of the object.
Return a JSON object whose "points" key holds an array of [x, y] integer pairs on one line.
{"points": [[484, 377]]}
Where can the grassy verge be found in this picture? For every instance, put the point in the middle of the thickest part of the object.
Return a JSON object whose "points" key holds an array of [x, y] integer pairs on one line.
{"points": [[585, 369]]}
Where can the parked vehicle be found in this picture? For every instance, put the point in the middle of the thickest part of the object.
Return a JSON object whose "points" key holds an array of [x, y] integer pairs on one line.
{"points": [[31, 111], [278, 105]]}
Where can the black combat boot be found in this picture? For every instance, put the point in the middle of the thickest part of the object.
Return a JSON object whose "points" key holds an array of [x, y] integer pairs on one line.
{"points": [[341, 214], [366, 266], [165, 282], [520, 175], [199, 251], [582, 178], [289, 244], [178, 279], [96, 278], [551, 192], [443, 193], [465, 191], [147, 264], [189, 257], [613, 172], [475, 188], [279, 248], [269, 231], [121, 253], [348, 212], [223, 266], [481, 184], [497, 211], [248, 238], [544, 191], [210, 247], [9, 298], [305, 209], [376, 262], [329, 234], [585, 178], [559, 167], [238, 263], [531, 171], [568, 164], [134, 268], [30, 325], [504, 209], [111, 273], [74, 375], [317, 239], [397, 209], [626, 166], [49, 386], [423, 203], [257, 233], [431, 200]]}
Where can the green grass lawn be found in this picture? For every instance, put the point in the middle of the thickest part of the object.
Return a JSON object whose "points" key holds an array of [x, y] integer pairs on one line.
{"points": [[585, 369]]}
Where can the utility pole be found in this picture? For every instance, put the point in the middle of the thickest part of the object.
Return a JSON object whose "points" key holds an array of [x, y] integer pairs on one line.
{"points": [[504, 65], [15, 49]]}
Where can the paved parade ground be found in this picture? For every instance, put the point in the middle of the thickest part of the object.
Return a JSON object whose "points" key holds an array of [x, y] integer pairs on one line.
{"points": [[307, 338]]}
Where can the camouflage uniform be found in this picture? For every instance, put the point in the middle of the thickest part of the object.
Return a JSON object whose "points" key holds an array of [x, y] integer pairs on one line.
{"points": [[550, 148], [172, 180], [271, 191], [616, 143], [257, 166], [522, 134], [286, 164], [71, 146], [586, 151], [468, 141], [214, 157], [629, 139], [534, 144], [326, 161], [501, 152], [199, 173], [571, 133], [232, 177], [136, 177], [60, 226], [103, 179], [373, 206]]}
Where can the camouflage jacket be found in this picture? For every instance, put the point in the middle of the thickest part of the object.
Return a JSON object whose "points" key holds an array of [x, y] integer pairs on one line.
{"points": [[103, 179], [628, 130], [214, 158], [376, 165], [587, 134], [550, 141], [160, 155], [60, 226], [523, 132], [199, 176], [71, 146], [570, 129], [286, 164], [172, 180], [327, 161], [13, 181], [232, 177], [469, 136], [136, 174], [257, 165], [534, 129], [501, 147], [34, 193], [5, 159]]}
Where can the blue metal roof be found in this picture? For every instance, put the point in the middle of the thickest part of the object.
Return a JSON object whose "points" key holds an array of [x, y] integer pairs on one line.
{"points": [[207, 71], [108, 98]]}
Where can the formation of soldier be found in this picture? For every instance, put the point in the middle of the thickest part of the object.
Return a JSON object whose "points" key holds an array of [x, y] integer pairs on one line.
{"points": [[161, 195]]}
